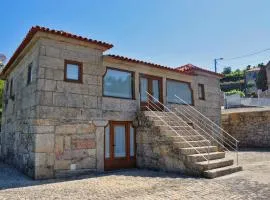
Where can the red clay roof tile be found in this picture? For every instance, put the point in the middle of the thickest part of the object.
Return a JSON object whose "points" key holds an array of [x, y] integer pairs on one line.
{"points": [[189, 68], [36, 29], [145, 63]]}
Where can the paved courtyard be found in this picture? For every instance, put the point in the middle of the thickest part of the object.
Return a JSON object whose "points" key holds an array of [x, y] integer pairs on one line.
{"points": [[252, 183]]}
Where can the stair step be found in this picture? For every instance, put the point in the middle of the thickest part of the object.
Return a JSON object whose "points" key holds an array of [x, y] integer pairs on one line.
{"points": [[213, 173], [196, 143], [197, 150], [200, 157], [184, 131], [213, 164], [180, 138], [175, 126]]}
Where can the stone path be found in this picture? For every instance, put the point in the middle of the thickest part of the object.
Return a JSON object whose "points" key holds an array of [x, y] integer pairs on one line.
{"points": [[252, 183]]}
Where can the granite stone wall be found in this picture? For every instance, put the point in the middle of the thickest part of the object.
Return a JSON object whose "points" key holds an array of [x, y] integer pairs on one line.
{"points": [[154, 149], [252, 129], [19, 111], [70, 114]]}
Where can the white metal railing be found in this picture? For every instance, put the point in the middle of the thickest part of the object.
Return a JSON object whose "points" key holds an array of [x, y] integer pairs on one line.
{"points": [[155, 105], [207, 127]]}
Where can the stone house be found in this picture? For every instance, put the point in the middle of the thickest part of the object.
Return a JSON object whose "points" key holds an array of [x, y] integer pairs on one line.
{"points": [[250, 79], [70, 108]]}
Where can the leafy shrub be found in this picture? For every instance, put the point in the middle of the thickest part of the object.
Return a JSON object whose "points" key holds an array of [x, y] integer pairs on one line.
{"points": [[231, 92]]}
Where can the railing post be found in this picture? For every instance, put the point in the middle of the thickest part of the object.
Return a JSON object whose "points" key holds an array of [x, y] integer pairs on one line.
{"points": [[237, 153], [208, 155]]}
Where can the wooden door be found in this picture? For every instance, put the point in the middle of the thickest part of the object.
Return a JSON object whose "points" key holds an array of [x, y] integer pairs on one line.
{"points": [[120, 151], [153, 86]]}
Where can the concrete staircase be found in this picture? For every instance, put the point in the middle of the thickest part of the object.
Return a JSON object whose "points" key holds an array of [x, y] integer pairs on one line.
{"points": [[200, 155]]}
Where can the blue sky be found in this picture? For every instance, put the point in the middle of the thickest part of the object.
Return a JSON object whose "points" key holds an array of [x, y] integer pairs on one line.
{"points": [[167, 32]]}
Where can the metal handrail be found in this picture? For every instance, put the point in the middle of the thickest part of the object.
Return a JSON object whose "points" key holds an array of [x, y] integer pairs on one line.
{"points": [[229, 142], [208, 120], [154, 104], [175, 115]]}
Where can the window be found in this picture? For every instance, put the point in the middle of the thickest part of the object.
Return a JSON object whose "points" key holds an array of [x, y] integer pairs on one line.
{"points": [[11, 95], [29, 74], [201, 92], [118, 83], [7, 84], [181, 89], [73, 71]]}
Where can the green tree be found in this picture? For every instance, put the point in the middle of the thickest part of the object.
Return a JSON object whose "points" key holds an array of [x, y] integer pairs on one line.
{"points": [[261, 81], [227, 70]]}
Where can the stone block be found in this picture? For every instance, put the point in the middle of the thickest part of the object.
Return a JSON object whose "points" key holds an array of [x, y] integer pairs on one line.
{"points": [[46, 85], [91, 79], [52, 52], [60, 99], [58, 75], [44, 172], [72, 88], [75, 100], [59, 144], [44, 159], [86, 128], [49, 73], [62, 164], [86, 163], [100, 148], [50, 62], [67, 141], [83, 142], [89, 102], [101, 123], [44, 98], [41, 129], [65, 129], [44, 143]]}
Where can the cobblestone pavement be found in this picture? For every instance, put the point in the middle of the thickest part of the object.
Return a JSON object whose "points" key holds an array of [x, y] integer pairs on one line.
{"points": [[252, 183]]}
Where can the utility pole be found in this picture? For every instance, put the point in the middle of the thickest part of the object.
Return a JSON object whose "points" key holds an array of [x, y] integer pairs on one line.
{"points": [[215, 61]]}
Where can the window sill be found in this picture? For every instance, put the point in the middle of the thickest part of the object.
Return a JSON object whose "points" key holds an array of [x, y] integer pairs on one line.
{"points": [[119, 97], [73, 81], [180, 104]]}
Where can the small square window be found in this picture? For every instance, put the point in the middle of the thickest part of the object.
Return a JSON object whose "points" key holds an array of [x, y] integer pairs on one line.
{"points": [[201, 92], [29, 74], [73, 71]]}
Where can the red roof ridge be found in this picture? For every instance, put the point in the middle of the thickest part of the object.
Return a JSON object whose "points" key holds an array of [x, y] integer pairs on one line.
{"points": [[145, 63], [35, 29], [190, 68]]}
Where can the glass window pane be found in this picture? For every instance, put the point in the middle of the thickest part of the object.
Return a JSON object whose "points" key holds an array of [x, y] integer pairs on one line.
{"points": [[72, 72], [131, 134], [143, 89], [156, 90], [118, 84], [107, 142], [119, 141], [180, 89], [200, 92]]}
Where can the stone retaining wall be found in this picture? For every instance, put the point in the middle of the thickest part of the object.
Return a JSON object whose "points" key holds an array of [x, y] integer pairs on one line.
{"points": [[252, 129]]}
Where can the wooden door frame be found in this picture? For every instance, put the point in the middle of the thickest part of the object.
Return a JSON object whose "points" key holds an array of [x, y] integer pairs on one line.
{"points": [[121, 162], [150, 85]]}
